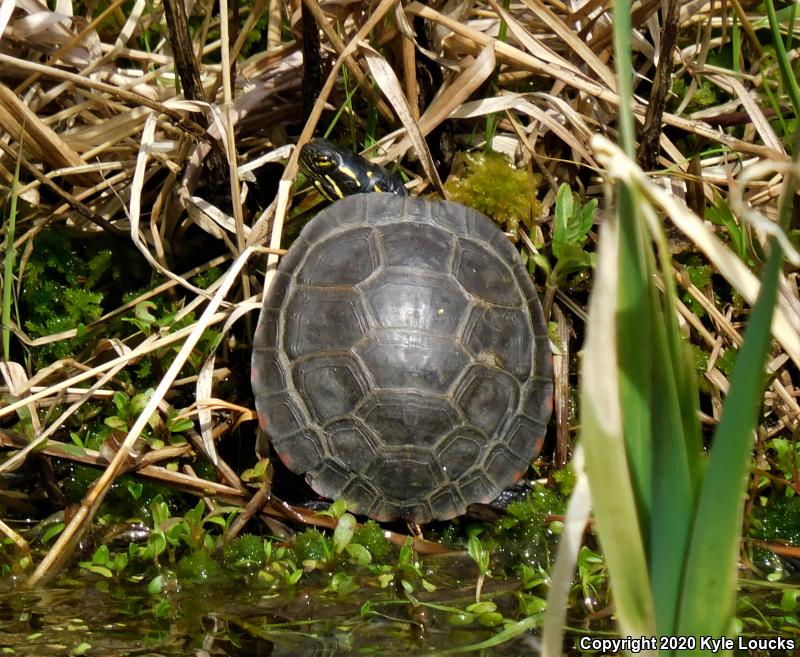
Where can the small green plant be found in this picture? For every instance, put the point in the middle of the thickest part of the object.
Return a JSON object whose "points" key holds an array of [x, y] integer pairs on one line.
{"points": [[280, 566], [160, 432], [739, 239], [408, 572], [592, 579], [571, 227], [480, 555], [104, 563]]}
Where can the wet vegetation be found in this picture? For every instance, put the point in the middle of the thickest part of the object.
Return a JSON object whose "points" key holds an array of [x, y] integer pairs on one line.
{"points": [[135, 517]]}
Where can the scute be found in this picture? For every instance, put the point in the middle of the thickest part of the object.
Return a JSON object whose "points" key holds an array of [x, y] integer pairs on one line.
{"points": [[525, 437], [361, 496], [331, 385], [412, 360], [406, 419], [354, 250], [266, 335], [487, 396], [352, 443], [404, 474], [481, 272], [478, 488], [270, 372], [460, 452], [500, 337], [500, 462], [309, 308], [300, 452], [409, 299], [416, 246], [285, 417], [401, 360]]}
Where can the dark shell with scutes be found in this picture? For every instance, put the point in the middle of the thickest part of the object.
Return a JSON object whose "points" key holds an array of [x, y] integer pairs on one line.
{"points": [[401, 359]]}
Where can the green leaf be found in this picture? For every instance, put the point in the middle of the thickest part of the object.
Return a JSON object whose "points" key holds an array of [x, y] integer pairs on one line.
{"points": [[142, 312], [116, 422], [709, 583], [479, 554], [563, 215], [428, 586], [179, 425], [608, 465], [121, 401], [343, 584], [344, 531], [98, 570], [156, 542], [156, 585], [51, 532], [101, 555], [478, 608], [358, 553], [572, 221]]}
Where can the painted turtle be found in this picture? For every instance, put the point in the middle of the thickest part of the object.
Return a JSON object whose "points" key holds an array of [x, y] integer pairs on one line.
{"points": [[401, 359]]}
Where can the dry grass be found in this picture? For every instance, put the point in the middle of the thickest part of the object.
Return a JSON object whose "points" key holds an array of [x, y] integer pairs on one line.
{"points": [[108, 145]]}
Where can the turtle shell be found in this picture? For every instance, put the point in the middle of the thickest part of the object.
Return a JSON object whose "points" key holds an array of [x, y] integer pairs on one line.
{"points": [[401, 359]]}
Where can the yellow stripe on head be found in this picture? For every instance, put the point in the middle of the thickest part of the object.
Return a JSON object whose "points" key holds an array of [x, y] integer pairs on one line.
{"points": [[347, 171], [330, 188]]}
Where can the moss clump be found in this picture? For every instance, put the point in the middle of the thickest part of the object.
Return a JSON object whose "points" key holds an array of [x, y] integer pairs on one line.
{"points": [[491, 185], [525, 535], [198, 567], [245, 552], [311, 545], [372, 537], [780, 520], [69, 281]]}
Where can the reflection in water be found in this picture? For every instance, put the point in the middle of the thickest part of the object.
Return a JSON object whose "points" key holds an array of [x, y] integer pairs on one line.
{"points": [[101, 618]]}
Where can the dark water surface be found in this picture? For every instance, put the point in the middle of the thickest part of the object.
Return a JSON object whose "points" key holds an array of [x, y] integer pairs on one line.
{"points": [[104, 619]]}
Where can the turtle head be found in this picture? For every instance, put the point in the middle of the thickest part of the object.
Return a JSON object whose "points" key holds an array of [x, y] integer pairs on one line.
{"points": [[336, 172]]}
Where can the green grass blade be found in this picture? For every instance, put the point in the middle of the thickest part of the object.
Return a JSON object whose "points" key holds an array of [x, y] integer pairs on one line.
{"points": [[673, 489], [602, 437], [676, 442], [710, 576], [708, 603], [634, 340], [623, 62], [10, 259], [785, 65]]}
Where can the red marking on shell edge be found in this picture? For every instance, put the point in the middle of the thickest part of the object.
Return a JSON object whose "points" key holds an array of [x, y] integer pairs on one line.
{"points": [[262, 421], [253, 375], [538, 444], [550, 403], [286, 459], [518, 475]]}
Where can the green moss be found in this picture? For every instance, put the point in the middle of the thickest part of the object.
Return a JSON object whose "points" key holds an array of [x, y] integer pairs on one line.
{"points": [[524, 535], [198, 567], [780, 520], [245, 552], [70, 281], [311, 545], [372, 537], [491, 185]]}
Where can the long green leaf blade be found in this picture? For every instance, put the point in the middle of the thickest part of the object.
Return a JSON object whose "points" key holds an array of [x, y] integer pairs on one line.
{"points": [[710, 576], [602, 437]]}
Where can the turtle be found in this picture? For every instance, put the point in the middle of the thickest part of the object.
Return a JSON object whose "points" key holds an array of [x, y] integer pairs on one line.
{"points": [[401, 359]]}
